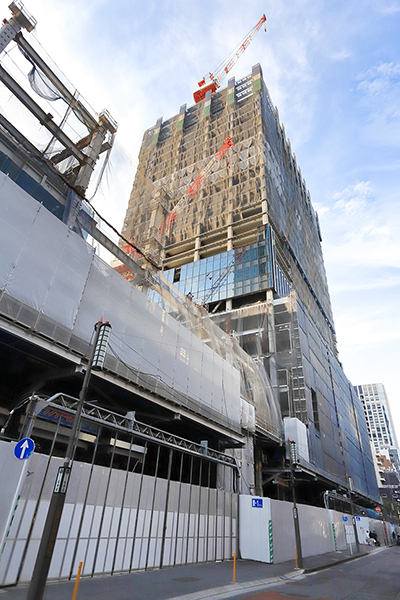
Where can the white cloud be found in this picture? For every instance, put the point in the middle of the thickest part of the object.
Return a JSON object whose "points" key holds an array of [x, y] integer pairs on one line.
{"points": [[379, 79], [391, 281], [390, 8], [358, 231], [341, 55], [353, 199], [379, 97]]}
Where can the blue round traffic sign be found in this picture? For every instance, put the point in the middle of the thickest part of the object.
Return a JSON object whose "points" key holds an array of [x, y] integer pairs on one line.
{"points": [[24, 448]]}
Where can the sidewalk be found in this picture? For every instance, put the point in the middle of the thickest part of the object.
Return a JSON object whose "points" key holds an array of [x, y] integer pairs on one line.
{"points": [[194, 582]]}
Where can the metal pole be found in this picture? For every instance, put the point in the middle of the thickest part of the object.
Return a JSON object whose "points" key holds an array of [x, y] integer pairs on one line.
{"points": [[164, 530], [49, 536], [178, 512], [137, 511], [77, 581], [353, 515], [299, 554], [78, 534], [122, 508], [30, 418]]}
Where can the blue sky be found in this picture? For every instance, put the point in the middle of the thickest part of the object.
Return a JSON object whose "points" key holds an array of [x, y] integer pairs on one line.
{"points": [[333, 71]]}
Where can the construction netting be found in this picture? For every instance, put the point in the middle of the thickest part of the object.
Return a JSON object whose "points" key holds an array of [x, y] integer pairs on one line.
{"points": [[52, 281]]}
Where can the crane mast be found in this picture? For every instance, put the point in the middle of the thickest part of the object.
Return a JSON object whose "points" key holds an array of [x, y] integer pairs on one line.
{"points": [[215, 82]]}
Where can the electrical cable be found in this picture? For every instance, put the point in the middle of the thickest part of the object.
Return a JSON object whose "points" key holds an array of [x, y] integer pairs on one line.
{"points": [[125, 240]]}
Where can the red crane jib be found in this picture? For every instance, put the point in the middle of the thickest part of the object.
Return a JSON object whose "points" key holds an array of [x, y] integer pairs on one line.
{"points": [[215, 81], [197, 184]]}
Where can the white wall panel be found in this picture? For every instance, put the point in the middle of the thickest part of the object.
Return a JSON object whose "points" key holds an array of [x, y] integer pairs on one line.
{"points": [[254, 522], [103, 525]]}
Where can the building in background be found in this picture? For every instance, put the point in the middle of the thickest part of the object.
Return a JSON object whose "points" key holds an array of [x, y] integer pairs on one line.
{"points": [[219, 202], [379, 419], [383, 440]]}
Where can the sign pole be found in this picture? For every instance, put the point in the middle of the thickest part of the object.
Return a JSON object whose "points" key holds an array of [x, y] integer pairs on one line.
{"points": [[298, 551]]}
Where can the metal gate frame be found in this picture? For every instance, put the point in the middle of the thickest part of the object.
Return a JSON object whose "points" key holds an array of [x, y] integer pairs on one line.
{"points": [[183, 471]]}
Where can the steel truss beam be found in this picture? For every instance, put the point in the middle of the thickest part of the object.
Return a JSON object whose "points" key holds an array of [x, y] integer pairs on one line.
{"points": [[43, 118], [102, 416], [58, 84]]}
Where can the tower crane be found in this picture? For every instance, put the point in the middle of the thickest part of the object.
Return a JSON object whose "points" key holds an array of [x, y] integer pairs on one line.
{"points": [[215, 81], [197, 183]]}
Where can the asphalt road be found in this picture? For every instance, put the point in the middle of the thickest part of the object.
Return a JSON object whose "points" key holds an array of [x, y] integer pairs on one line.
{"points": [[326, 577], [374, 577]]}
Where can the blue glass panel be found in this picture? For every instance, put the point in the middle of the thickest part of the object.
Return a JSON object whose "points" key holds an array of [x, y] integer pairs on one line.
{"points": [[245, 255], [217, 262]]}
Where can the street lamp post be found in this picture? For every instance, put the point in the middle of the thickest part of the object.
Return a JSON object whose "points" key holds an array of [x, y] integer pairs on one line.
{"points": [[49, 536], [293, 460]]}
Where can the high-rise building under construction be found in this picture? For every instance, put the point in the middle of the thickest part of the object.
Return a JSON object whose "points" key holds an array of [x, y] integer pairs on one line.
{"points": [[234, 229]]}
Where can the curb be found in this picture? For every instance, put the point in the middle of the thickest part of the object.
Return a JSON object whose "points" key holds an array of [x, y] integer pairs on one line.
{"points": [[226, 590], [342, 560], [233, 589]]}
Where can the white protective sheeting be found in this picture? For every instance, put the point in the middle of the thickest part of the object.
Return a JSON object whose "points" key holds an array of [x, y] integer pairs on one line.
{"points": [[52, 281]]}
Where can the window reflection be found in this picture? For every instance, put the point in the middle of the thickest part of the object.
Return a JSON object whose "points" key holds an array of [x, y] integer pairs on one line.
{"points": [[240, 271]]}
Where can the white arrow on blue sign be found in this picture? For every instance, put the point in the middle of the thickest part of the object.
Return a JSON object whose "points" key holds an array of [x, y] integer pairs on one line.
{"points": [[345, 518], [24, 448]]}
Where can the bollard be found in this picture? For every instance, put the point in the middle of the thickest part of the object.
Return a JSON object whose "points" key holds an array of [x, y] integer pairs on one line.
{"points": [[234, 567], [78, 576]]}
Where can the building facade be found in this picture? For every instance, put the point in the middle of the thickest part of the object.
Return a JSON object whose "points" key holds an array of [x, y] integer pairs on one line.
{"points": [[378, 416], [247, 247]]}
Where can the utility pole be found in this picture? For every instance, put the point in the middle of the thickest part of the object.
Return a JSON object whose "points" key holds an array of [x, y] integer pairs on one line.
{"points": [[293, 461], [353, 514], [49, 536]]}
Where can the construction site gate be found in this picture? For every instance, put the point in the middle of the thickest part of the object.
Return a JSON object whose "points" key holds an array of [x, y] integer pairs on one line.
{"points": [[140, 499]]}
